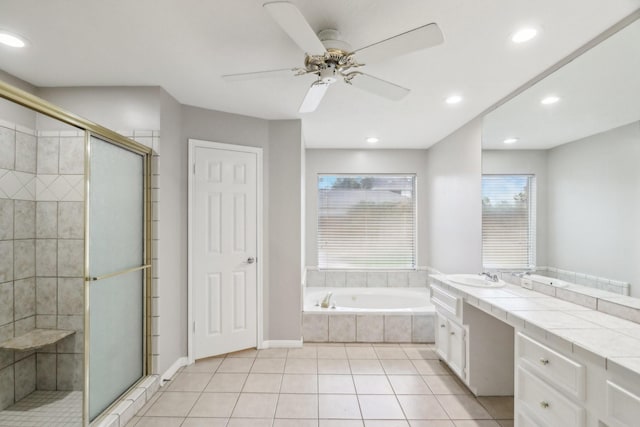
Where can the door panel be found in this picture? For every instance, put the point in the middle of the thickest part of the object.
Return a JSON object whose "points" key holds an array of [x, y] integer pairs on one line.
{"points": [[116, 244], [224, 238]]}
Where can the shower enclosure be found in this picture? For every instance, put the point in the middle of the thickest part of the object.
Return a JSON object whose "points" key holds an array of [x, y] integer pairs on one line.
{"points": [[74, 264]]}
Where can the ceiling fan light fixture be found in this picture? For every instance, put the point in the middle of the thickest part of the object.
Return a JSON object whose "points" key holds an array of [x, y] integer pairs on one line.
{"points": [[453, 99], [12, 40], [313, 97], [372, 140], [524, 35]]}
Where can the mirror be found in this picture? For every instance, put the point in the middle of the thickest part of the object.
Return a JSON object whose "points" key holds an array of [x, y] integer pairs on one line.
{"points": [[578, 132]]}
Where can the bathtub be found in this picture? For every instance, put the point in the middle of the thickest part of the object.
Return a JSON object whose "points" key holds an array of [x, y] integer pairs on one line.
{"points": [[370, 300], [369, 315]]}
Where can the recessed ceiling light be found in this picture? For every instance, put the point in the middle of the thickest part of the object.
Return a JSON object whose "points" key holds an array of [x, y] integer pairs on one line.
{"points": [[453, 99], [510, 140], [372, 140], [551, 99], [12, 40], [524, 35]]}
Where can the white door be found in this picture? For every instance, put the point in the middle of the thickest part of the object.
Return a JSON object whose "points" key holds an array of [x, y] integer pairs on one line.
{"points": [[224, 249]]}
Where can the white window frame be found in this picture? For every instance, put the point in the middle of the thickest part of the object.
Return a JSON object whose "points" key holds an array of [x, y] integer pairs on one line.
{"points": [[531, 227], [324, 265]]}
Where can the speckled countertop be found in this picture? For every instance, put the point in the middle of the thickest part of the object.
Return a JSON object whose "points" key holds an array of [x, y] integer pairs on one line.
{"points": [[608, 340]]}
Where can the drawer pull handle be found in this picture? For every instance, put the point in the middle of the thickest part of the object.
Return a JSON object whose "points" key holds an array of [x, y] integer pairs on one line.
{"points": [[544, 404], [544, 361], [442, 326]]}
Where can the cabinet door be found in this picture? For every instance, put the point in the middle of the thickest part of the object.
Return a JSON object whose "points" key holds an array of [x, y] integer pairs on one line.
{"points": [[442, 337], [457, 348]]}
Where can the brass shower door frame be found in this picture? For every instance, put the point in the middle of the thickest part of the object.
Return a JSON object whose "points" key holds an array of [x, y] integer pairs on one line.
{"points": [[90, 129]]}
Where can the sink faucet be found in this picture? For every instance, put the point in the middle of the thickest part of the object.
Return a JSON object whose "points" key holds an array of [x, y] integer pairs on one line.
{"points": [[490, 277], [326, 301]]}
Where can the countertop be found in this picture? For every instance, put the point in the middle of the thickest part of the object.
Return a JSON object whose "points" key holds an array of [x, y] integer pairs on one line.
{"points": [[609, 341]]}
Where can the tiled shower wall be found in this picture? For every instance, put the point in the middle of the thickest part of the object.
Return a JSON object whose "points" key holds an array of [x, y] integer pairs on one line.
{"points": [[17, 258], [41, 257]]}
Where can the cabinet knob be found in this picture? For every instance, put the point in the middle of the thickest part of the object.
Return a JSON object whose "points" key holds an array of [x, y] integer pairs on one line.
{"points": [[544, 361], [453, 333], [544, 404], [442, 326]]}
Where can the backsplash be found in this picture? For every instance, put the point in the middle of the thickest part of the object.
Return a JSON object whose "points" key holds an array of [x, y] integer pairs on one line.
{"points": [[590, 281], [367, 278]]}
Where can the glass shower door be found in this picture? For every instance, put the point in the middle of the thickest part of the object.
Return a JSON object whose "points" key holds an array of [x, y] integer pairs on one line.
{"points": [[116, 272]]}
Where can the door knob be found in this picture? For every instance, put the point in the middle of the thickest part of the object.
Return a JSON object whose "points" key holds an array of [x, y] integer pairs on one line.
{"points": [[251, 260]]}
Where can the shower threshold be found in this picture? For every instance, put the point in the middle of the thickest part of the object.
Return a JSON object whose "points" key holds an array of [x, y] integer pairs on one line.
{"points": [[45, 408]]}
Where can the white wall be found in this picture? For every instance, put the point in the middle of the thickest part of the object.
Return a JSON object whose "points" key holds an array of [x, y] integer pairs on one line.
{"points": [[455, 207], [594, 205], [364, 161], [525, 162]]}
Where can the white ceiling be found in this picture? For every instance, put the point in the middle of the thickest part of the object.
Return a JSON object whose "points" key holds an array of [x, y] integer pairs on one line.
{"points": [[186, 45], [599, 91]]}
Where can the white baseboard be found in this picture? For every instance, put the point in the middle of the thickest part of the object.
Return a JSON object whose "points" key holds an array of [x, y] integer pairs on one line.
{"points": [[281, 344], [169, 373]]}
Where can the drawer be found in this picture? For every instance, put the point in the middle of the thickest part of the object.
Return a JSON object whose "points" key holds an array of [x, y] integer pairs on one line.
{"points": [[559, 370], [525, 420], [623, 407], [445, 300], [547, 404]]}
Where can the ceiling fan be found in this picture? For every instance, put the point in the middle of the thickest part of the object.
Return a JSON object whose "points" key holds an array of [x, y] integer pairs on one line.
{"points": [[329, 58]]}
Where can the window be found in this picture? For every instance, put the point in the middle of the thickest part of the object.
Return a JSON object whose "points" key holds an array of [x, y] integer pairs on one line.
{"points": [[508, 221], [366, 221]]}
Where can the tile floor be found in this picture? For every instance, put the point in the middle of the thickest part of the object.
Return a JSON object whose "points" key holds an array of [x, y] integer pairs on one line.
{"points": [[45, 408], [323, 385]]}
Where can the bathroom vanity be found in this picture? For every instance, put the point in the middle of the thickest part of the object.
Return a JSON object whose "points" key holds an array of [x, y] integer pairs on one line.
{"points": [[564, 363]]}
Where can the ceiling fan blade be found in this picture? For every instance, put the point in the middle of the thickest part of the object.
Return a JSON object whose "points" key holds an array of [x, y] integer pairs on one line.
{"points": [[296, 26], [285, 72], [419, 38], [378, 86], [313, 97]]}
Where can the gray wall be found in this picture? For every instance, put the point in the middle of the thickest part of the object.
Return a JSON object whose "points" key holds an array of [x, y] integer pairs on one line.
{"points": [[281, 142], [285, 228], [525, 162], [117, 108], [172, 248], [364, 161], [455, 209], [12, 112], [594, 205]]}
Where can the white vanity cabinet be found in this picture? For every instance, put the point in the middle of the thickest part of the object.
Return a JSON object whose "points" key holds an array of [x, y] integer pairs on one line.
{"points": [[451, 344], [475, 345]]}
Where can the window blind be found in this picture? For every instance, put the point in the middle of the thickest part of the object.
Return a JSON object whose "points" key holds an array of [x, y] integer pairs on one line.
{"points": [[508, 221], [366, 221]]}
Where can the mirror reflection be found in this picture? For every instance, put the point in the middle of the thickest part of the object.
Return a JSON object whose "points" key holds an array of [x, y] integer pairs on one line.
{"points": [[561, 172]]}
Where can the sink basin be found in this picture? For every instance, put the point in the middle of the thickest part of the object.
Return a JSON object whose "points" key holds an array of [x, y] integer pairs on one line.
{"points": [[474, 280]]}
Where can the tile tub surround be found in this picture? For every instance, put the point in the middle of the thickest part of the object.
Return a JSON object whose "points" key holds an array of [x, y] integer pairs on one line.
{"points": [[322, 385], [602, 337], [397, 323], [418, 278], [368, 328]]}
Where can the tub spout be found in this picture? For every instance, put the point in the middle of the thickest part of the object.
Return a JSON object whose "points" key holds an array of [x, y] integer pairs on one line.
{"points": [[326, 301]]}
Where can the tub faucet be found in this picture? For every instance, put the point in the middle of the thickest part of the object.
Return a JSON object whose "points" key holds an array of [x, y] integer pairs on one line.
{"points": [[326, 301], [490, 277]]}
